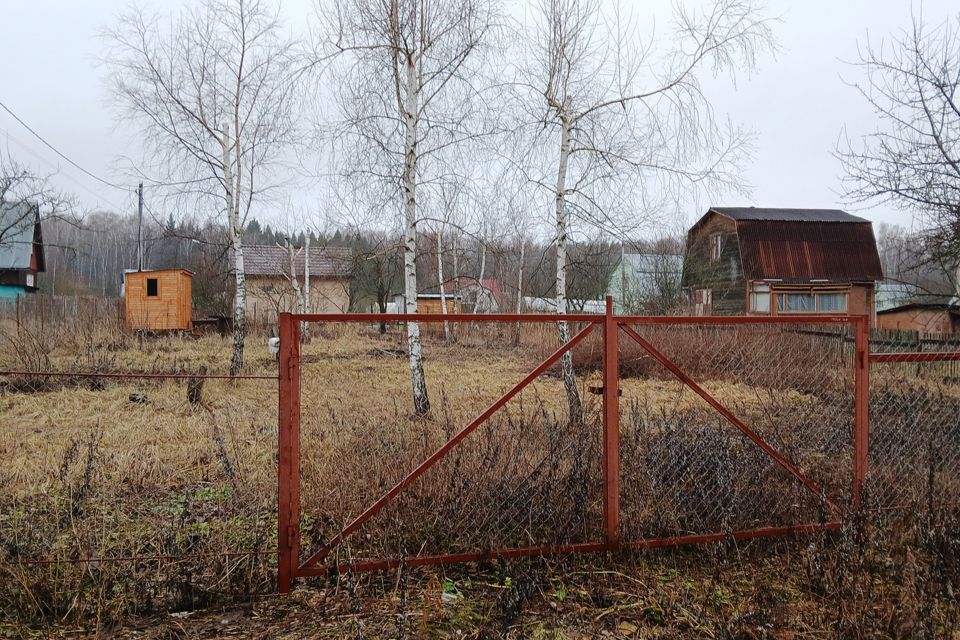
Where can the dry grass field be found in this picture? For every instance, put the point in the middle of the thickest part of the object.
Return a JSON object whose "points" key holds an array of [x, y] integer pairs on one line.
{"points": [[122, 501]]}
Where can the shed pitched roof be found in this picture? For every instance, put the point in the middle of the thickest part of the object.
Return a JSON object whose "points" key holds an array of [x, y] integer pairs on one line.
{"points": [[803, 251], [271, 260], [800, 245], [655, 263], [952, 309], [787, 215], [18, 231]]}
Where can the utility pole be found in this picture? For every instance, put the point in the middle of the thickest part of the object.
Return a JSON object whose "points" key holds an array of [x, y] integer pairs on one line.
{"points": [[140, 227]]}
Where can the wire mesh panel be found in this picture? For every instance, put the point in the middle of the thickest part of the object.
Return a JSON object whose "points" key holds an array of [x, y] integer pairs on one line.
{"points": [[132, 465], [782, 457], [526, 476], [915, 424]]}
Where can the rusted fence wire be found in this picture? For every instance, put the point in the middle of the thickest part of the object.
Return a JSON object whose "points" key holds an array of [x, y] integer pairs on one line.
{"points": [[144, 453], [151, 477]]}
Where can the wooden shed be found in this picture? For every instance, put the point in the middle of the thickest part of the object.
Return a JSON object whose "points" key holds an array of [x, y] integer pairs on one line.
{"points": [[430, 303], [159, 299]]}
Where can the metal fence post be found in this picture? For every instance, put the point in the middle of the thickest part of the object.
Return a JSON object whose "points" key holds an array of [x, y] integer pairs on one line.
{"points": [[611, 428], [288, 494], [861, 421]]}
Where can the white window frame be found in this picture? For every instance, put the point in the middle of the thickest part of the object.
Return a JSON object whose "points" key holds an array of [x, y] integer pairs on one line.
{"points": [[716, 247], [760, 290], [786, 310]]}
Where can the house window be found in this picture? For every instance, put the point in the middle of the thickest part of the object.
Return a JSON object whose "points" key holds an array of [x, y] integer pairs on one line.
{"points": [[831, 302], [760, 298], [30, 280], [151, 287], [796, 303], [811, 302], [715, 246]]}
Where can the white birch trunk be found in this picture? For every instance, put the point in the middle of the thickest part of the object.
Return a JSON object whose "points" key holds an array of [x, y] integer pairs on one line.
{"points": [[294, 282], [305, 328], [519, 308], [483, 254], [236, 244], [421, 401], [569, 377], [443, 295]]}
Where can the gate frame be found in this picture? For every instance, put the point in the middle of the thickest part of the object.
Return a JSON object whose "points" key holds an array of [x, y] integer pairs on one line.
{"points": [[288, 499]]}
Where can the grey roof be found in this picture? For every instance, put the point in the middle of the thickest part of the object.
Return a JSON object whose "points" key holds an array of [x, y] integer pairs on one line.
{"points": [[17, 221], [654, 263], [787, 215], [272, 260], [894, 295]]}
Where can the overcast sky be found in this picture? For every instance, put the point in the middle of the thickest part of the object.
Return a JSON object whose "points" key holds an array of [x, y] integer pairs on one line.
{"points": [[797, 102]]}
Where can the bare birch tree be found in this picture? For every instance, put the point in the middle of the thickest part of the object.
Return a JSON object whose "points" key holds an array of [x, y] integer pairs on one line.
{"points": [[912, 159], [212, 91], [631, 128], [406, 94]]}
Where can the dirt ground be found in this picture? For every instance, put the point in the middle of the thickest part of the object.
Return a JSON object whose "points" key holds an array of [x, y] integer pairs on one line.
{"points": [[759, 590]]}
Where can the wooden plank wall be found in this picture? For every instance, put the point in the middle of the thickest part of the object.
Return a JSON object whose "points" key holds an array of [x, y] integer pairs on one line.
{"points": [[170, 309]]}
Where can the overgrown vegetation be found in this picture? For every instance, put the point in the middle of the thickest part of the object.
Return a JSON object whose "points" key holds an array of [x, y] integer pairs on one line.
{"points": [[123, 499]]}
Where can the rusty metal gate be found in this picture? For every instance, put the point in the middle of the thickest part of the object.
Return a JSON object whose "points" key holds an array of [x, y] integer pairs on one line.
{"points": [[655, 487]]}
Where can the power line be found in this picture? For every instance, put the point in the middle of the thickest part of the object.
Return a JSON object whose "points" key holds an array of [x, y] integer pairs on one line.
{"points": [[58, 152], [154, 181], [59, 170]]}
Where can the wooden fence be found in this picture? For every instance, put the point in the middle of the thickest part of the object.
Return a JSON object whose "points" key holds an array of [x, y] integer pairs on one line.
{"points": [[44, 310]]}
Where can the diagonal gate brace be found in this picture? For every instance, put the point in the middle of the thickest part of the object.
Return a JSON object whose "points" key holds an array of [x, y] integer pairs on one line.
{"points": [[442, 451], [732, 419]]}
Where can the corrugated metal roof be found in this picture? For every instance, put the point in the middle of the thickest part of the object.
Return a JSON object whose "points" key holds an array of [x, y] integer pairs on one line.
{"points": [[787, 215], [17, 221], [809, 250], [271, 260]]}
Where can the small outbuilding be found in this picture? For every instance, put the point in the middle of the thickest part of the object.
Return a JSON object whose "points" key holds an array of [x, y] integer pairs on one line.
{"points": [[646, 282], [159, 299], [921, 317], [477, 296], [432, 303]]}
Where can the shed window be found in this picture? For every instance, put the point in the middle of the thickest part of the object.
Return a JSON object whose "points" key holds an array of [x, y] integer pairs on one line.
{"points": [[716, 243], [760, 298], [151, 287]]}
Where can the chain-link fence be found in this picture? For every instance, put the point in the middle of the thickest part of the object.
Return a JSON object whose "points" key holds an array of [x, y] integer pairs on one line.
{"points": [[914, 424], [135, 475], [782, 457], [723, 427], [525, 477]]}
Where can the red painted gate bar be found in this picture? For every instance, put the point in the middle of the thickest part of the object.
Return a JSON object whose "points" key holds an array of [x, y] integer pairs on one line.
{"points": [[611, 429], [289, 564], [288, 493]]}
